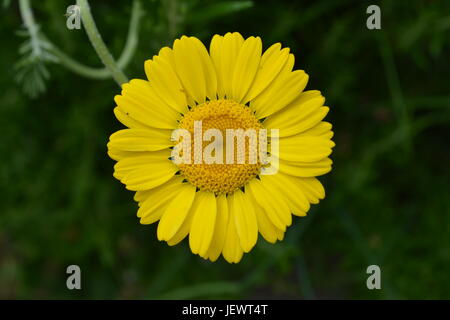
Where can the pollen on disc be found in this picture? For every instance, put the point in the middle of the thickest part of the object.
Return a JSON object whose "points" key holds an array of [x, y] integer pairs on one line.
{"points": [[221, 177]]}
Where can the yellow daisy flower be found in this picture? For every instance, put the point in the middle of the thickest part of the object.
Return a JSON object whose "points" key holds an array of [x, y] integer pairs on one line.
{"points": [[221, 206]]}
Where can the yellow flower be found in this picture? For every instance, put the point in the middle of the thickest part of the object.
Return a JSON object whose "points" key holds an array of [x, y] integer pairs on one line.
{"points": [[221, 206]]}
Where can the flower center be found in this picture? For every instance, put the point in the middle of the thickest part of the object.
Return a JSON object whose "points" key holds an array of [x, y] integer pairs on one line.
{"points": [[223, 176]]}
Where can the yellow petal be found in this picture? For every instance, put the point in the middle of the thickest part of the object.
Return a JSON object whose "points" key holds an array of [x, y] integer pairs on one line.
{"points": [[140, 101], [152, 208], [176, 212], [272, 61], [322, 130], [204, 213], [277, 212], [305, 148], [183, 231], [140, 140], [224, 52], [301, 114], [280, 235], [166, 83], [232, 250], [126, 120], [278, 199], [209, 72], [245, 219], [128, 164], [189, 68], [166, 53], [305, 169], [216, 51], [312, 188], [117, 154], [284, 188], [265, 226], [194, 68], [149, 176], [247, 64], [220, 228], [305, 140], [281, 93], [141, 196], [258, 103]]}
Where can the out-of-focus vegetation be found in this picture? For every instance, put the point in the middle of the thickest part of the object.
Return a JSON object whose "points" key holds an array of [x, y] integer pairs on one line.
{"points": [[387, 196]]}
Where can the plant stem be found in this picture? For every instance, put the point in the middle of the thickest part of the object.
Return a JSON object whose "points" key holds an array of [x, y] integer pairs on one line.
{"points": [[133, 35], [30, 24], [172, 17], [70, 63], [127, 53], [77, 67], [98, 44]]}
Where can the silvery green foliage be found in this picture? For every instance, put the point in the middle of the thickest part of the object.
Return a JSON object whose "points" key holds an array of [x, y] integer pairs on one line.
{"points": [[31, 70]]}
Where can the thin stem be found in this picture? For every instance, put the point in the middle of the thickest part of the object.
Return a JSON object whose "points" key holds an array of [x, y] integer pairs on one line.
{"points": [[125, 58], [77, 67], [133, 35], [172, 17], [70, 63], [32, 27], [98, 44]]}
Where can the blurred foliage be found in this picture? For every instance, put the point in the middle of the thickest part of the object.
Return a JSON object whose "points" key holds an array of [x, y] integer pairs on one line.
{"points": [[388, 195], [31, 69]]}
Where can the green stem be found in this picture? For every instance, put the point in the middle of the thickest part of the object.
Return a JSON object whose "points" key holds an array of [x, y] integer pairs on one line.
{"points": [[133, 35], [171, 7], [37, 37], [30, 24], [98, 44], [77, 67], [125, 58], [70, 63]]}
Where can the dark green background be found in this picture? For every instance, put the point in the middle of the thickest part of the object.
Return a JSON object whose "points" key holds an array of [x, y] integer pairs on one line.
{"points": [[387, 196]]}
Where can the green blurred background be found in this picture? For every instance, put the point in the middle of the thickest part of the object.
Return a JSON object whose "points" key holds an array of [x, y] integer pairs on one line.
{"points": [[387, 197]]}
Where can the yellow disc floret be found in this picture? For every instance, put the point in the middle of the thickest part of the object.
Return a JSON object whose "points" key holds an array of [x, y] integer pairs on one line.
{"points": [[222, 177]]}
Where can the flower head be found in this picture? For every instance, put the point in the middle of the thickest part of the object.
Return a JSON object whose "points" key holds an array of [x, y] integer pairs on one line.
{"points": [[250, 139]]}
